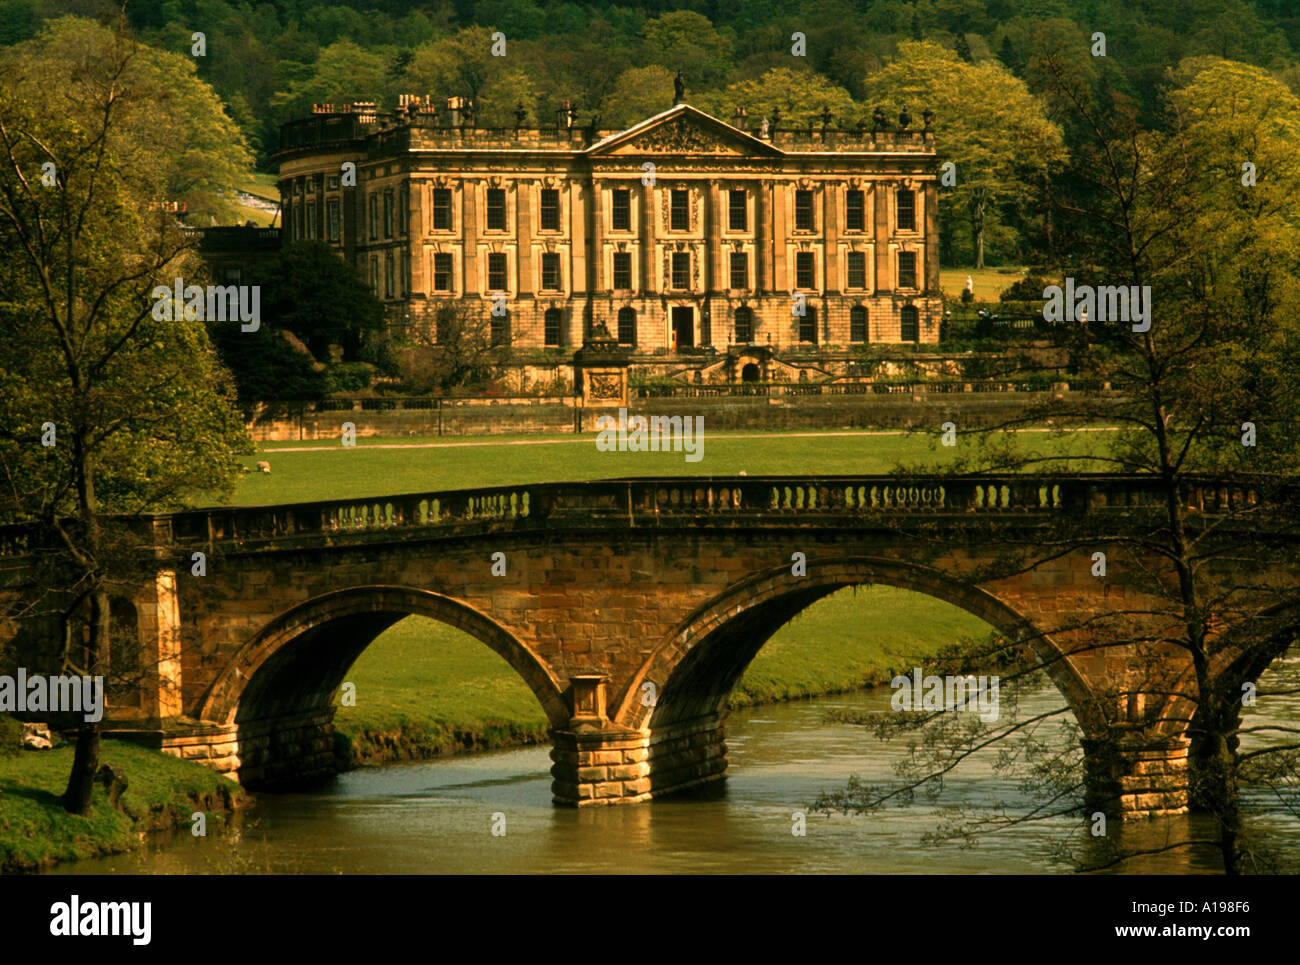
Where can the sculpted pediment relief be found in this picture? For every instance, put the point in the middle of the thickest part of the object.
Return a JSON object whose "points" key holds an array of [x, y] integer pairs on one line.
{"points": [[686, 132]]}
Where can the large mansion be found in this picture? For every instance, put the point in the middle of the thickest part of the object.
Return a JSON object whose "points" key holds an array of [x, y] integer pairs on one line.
{"points": [[678, 235]]}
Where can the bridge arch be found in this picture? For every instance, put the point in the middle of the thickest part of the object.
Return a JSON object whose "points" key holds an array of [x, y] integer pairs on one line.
{"points": [[695, 668], [279, 688]]}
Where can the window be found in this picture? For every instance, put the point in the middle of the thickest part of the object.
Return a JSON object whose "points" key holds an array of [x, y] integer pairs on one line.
{"points": [[627, 326], [737, 217], [739, 269], [808, 325], [550, 272], [442, 273], [311, 219], [389, 286], [804, 271], [681, 269], [442, 209], [907, 269], [680, 218], [404, 210], [906, 210], [803, 211], [497, 279], [857, 269], [496, 209], [909, 324], [622, 210], [857, 324], [552, 327], [406, 272], [550, 209], [389, 210], [332, 220], [744, 325], [855, 211], [332, 182], [374, 275], [622, 270], [374, 216], [501, 329]]}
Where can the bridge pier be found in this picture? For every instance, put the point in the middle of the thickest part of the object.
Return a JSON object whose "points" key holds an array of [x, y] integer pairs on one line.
{"points": [[599, 762], [618, 766], [1137, 776]]}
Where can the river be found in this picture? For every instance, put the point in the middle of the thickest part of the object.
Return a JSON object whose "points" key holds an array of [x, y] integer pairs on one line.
{"points": [[438, 816]]}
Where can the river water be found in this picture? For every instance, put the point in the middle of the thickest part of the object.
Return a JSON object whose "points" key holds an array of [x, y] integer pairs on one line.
{"points": [[438, 816]]}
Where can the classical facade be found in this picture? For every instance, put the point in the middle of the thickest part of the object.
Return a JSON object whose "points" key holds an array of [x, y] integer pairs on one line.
{"points": [[683, 236]]}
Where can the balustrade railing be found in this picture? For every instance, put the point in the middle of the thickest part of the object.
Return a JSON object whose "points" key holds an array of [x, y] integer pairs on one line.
{"points": [[657, 501]]}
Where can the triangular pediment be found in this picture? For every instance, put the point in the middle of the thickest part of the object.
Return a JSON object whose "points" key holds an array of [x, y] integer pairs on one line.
{"points": [[683, 130]]}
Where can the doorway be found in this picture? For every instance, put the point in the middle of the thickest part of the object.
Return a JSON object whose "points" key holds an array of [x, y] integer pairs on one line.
{"points": [[683, 328]]}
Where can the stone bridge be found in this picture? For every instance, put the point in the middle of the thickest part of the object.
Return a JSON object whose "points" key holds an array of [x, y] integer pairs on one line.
{"points": [[632, 607]]}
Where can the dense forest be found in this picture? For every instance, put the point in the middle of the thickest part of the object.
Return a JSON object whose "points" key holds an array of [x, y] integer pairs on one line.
{"points": [[971, 61]]}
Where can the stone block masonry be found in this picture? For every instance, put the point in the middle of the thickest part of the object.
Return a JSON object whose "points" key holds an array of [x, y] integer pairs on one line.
{"points": [[631, 608]]}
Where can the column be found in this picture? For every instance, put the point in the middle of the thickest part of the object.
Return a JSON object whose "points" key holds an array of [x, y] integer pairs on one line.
{"points": [[831, 237], [524, 230], [579, 287], [880, 231], [931, 238], [469, 237]]}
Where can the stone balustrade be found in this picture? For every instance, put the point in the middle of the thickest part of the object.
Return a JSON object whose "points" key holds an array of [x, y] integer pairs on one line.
{"points": [[610, 504]]}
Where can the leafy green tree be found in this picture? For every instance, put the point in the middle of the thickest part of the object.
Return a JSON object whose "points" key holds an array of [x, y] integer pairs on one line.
{"points": [[1205, 370], [687, 41], [799, 96], [639, 92], [986, 122], [140, 408], [344, 72], [309, 290]]}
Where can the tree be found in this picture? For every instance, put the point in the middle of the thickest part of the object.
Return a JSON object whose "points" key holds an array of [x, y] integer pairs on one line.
{"points": [[1172, 211], [799, 95], [309, 290], [986, 122], [459, 345], [639, 92], [687, 41], [140, 407]]}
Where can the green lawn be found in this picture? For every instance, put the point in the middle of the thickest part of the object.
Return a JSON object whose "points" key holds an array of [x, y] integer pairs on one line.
{"points": [[989, 282], [162, 792], [306, 471]]}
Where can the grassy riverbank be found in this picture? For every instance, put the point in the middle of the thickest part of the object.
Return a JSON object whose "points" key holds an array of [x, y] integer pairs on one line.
{"points": [[162, 792]]}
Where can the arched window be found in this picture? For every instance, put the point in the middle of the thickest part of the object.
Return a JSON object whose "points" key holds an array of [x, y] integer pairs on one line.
{"points": [[553, 328], [744, 325], [909, 324], [857, 324], [627, 326]]}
